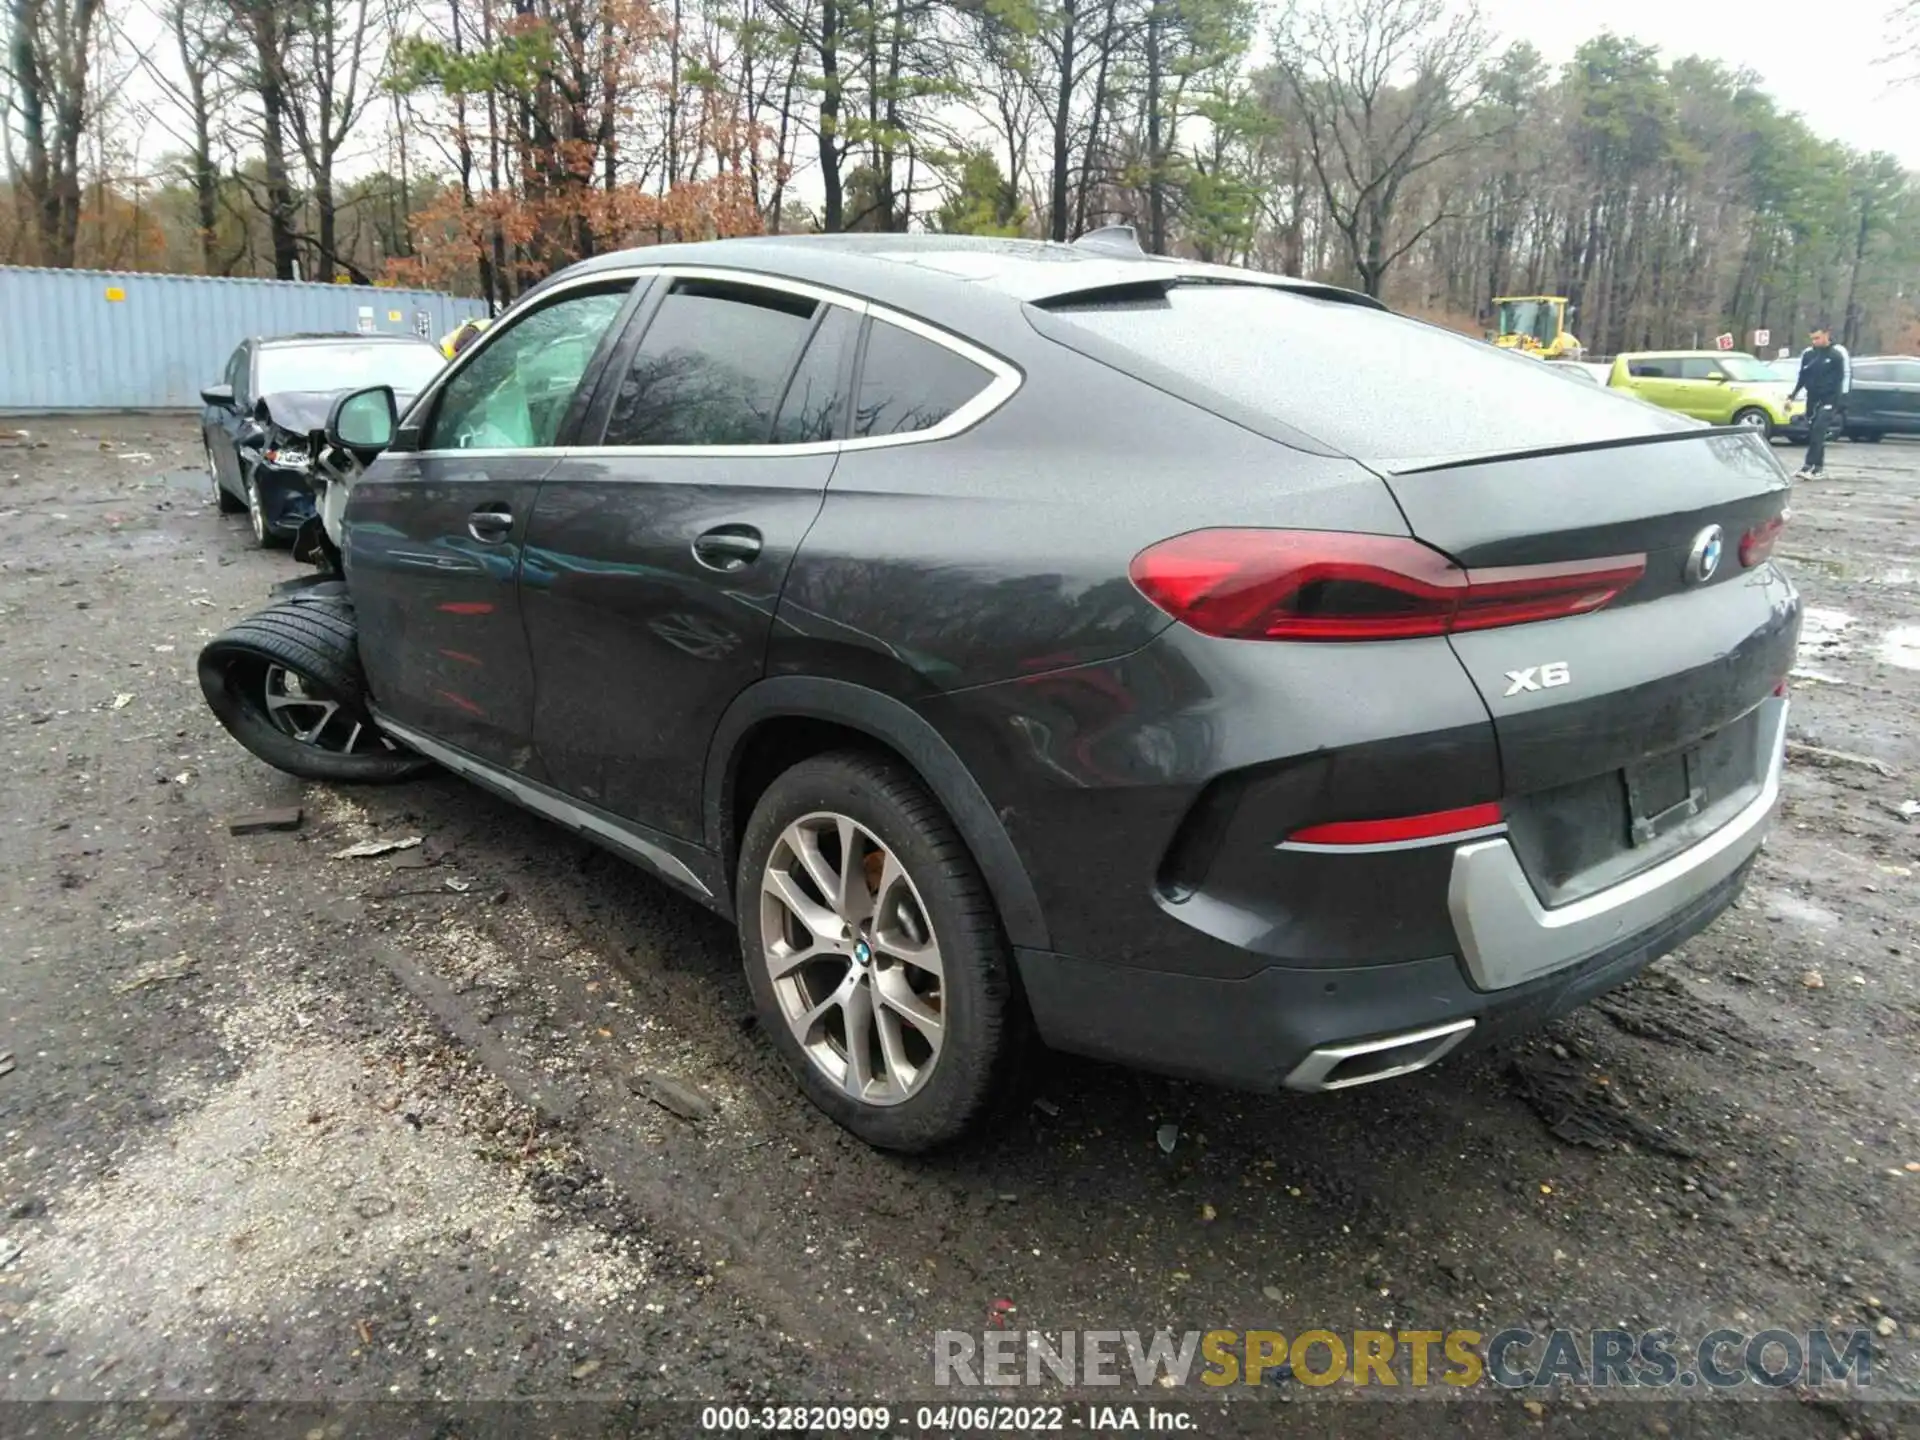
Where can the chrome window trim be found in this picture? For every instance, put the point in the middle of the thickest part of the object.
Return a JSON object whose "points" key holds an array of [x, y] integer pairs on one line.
{"points": [[1006, 380]]}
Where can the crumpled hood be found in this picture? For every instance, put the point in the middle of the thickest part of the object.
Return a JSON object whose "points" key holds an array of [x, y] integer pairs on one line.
{"points": [[302, 412]]}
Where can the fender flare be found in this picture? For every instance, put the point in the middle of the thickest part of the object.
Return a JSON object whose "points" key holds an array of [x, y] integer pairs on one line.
{"points": [[900, 728]]}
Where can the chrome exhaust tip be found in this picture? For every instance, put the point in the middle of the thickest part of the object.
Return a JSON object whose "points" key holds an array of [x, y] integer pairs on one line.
{"points": [[1337, 1067]]}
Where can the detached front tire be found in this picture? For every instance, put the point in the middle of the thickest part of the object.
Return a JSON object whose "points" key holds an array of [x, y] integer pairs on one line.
{"points": [[875, 954], [286, 683]]}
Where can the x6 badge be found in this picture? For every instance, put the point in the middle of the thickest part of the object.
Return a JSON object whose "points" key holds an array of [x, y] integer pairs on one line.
{"points": [[1538, 677]]}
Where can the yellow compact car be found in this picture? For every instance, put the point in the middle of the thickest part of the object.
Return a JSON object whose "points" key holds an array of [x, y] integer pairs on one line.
{"points": [[1722, 387], [463, 335]]}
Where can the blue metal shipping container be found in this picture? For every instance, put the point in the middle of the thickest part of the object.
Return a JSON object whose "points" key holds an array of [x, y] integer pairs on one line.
{"points": [[106, 340]]}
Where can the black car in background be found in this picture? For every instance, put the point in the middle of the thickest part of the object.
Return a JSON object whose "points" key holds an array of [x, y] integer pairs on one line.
{"points": [[1884, 398], [1191, 667], [259, 420]]}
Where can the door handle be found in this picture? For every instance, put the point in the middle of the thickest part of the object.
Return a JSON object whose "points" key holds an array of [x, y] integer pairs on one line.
{"points": [[727, 547], [491, 524]]}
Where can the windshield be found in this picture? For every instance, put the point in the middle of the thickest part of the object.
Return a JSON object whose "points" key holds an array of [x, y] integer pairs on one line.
{"points": [[333, 365], [1746, 368], [1529, 317]]}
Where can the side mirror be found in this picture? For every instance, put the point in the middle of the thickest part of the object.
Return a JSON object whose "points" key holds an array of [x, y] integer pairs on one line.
{"points": [[218, 396], [1719, 377], [363, 422]]}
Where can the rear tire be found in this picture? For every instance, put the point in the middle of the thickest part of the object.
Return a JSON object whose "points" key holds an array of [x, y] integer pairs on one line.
{"points": [[934, 1048], [286, 683], [1866, 437], [1754, 418]]}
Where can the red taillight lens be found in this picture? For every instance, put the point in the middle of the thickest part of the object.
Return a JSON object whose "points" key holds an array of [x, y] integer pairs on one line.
{"points": [[1330, 585], [1402, 830], [1757, 544]]}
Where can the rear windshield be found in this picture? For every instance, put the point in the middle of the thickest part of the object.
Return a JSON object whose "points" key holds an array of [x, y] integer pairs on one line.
{"points": [[1376, 386]]}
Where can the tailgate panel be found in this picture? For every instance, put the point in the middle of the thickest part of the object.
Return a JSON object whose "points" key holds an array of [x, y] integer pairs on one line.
{"points": [[1599, 716]]}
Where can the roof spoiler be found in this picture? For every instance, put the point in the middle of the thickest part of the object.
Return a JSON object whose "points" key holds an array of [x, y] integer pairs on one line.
{"points": [[1121, 240]]}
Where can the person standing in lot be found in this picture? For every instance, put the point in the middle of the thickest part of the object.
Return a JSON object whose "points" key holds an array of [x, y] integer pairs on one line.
{"points": [[1825, 375]]}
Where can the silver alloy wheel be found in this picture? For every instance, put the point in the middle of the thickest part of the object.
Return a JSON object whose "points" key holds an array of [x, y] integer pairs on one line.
{"points": [[853, 959], [256, 510], [307, 717], [1752, 419]]}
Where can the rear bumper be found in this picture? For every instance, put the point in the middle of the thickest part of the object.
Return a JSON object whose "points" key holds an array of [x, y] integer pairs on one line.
{"points": [[1506, 936], [1326, 1027], [1276, 1029]]}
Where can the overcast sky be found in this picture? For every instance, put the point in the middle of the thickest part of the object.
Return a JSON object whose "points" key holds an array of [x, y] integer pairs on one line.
{"points": [[1815, 55]]}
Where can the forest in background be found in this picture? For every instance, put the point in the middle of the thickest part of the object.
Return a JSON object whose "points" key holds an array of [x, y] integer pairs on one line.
{"points": [[1393, 145]]}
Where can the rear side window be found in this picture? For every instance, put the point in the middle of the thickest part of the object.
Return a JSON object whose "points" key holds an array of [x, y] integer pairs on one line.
{"points": [[1907, 372], [816, 402], [908, 383], [712, 367], [1374, 385], [1871, 373], [1652, 369]]}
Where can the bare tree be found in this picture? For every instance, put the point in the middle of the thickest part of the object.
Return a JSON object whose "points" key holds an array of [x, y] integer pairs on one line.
{"points": [[194, 81], [1903, 41], [49, 59], [328, 85], [1383, 89], [267, 26]]}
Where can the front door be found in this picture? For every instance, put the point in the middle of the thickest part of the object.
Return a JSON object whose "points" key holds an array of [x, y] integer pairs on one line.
{"points": [[1903, 398], [656, 558], [1702, 390], [435, 535]]}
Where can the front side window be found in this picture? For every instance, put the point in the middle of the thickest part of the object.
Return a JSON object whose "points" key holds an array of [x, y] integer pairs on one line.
{"points": [[514, 393], [1698, 369], [237, 375], [1873, 374], [712, 367], [908, 383]]}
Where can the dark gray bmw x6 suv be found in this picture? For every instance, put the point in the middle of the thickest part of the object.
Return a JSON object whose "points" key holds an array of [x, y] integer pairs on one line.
{"points": [[1186, 666]]}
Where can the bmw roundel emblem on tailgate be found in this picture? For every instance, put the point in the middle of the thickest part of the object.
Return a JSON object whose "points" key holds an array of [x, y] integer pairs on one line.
{"points": [[1705, 556]]}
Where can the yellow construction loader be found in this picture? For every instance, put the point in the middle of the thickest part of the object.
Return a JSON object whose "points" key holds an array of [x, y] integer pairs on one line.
{"points": [[1535, 325]]}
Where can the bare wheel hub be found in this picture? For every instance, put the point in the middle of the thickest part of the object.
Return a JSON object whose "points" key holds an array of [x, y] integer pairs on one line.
{"points": [[853, 959], [311, 718]]}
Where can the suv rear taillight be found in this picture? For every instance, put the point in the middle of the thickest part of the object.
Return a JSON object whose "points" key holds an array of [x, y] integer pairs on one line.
{"points": [[1333, 585], [1757, 544]]}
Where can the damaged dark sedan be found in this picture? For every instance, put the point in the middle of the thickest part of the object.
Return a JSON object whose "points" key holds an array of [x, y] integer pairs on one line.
{"points": [[260, 419]]}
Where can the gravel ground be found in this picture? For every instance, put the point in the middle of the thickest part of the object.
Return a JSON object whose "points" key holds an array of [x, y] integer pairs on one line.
{"points": [[303, 1129]]}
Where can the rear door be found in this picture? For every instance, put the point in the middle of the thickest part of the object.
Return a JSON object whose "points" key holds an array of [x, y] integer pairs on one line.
{"points": [[435, 531], [1656, 378], [657, 554]]}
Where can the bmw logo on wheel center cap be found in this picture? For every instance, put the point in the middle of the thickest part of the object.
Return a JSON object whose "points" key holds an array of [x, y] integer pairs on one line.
{"points": [[862, 952], [1704, 559]]}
